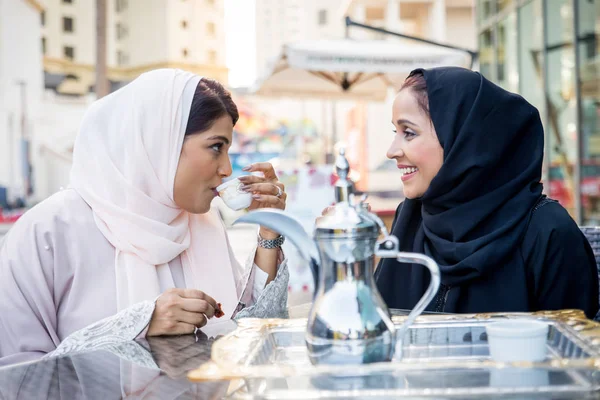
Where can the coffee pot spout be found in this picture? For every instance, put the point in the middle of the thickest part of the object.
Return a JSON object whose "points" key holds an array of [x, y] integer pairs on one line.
{"points": [[292, 229]]}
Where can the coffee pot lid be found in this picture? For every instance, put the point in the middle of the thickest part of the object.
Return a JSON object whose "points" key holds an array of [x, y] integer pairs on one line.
{"points": [[346, 219]]}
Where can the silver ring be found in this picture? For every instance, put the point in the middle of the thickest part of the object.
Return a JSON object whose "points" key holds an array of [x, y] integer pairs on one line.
{"points": [[206, 318], [279, 191]]}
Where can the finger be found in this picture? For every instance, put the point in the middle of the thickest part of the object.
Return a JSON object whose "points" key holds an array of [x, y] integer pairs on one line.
{"points": [[197, 294], [193, 318], [249, 179], [326, 210], [270, 200], [263, 188], [198, 306], [183, 328], [265, 167]]}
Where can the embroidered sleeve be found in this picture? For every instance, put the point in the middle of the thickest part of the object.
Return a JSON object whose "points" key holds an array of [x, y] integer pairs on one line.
{"points": [[272, 301], [109, 332]]}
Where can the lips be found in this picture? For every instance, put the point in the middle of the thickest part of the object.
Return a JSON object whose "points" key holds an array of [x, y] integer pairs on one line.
{"points": [[407, 171]]}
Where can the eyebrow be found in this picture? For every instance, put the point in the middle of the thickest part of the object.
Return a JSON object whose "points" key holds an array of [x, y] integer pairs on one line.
{"points": [[404, 122], [223, 138]]}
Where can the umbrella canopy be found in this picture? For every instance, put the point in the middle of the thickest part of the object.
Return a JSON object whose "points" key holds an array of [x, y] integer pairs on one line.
{"points": [[347, 68]]}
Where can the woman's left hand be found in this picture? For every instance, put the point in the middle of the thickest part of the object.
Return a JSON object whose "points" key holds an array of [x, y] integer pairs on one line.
{"points": [[267, 191]]}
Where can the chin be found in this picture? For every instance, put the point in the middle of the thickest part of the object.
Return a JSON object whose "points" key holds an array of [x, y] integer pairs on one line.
{"points": [[412, 194], [199, 208]]}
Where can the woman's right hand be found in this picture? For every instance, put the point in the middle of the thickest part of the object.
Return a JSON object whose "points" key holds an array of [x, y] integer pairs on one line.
{"points": [[181, 311]]}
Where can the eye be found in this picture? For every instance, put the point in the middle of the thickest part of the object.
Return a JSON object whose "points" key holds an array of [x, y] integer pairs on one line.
{"points": [[408, 134], [217, 147]]}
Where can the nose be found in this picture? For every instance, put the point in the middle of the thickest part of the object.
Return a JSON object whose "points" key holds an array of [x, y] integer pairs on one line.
{"points": [[395, 150], [225, 169]]}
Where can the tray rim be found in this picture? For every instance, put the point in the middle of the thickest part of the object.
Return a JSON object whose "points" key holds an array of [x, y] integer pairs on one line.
{"points": [[228, 360]]}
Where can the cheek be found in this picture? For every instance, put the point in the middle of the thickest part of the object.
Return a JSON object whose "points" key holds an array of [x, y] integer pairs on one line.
{"points": [[433, 158]]}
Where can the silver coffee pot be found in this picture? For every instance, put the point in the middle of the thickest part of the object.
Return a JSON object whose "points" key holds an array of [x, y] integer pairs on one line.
{"points": [[349, 323]]}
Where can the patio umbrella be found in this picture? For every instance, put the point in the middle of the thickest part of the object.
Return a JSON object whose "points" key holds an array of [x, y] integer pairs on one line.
{"points": [[348, 68]]}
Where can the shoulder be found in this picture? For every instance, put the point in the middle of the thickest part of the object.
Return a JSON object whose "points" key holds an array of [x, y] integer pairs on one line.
{"points": [[551, 227], [550, 219], [64, 211]]}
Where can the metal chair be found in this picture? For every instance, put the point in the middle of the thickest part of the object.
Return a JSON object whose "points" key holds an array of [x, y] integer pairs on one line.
{"points": [[592, 233]]}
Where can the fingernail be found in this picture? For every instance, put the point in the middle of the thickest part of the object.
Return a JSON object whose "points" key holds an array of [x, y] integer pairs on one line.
{"points": [[256, 196], [246, 188], [247, 168], [243, 178]]}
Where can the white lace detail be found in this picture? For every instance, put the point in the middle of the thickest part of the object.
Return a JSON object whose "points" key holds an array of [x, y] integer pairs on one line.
{"points": [[134, 352], [272, 302], [109, 332], [118, 332]]}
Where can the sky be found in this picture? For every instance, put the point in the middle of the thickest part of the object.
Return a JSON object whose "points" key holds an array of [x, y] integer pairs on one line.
{"points": [[240, 39]]}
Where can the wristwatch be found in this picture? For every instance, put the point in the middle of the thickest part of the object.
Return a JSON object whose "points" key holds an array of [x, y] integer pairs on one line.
{"points": [[271, 243]]}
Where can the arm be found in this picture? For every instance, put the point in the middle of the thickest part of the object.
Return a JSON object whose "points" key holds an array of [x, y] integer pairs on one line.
{"points": [[561, 267], [28, 323], [268, 259], [267, 192]]}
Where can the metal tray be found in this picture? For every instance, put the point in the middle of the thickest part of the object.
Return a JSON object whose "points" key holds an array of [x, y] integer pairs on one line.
{"points": [[443, 355]]}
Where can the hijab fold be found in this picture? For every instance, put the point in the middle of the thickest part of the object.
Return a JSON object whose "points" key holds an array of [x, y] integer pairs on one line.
{"points": [[124, 163], [472, 217]]}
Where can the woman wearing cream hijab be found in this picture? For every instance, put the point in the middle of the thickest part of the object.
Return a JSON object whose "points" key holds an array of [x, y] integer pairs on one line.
{"points": [[133, 247]]}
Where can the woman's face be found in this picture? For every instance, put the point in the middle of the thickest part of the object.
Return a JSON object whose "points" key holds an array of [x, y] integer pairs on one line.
{"points": [[203, 164], [416, 147]]}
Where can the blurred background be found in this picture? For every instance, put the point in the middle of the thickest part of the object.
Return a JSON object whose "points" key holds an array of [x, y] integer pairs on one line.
{"points": [[308, 77]]}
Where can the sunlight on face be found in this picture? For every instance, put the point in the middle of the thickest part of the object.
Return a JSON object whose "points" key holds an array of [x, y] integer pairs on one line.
{"points": [[415, 148], [203, 164]]}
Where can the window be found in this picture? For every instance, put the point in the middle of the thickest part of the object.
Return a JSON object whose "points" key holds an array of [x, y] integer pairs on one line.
{"points": [[486, 53], [378, 13], [69, 52], [588, 37], [485, 9], [121, 30], [43, 18], [210, 28], [44, 46], [184, 24], [322, 17], [560, 100], [212, 57], [504, 4], [68, 25], [122, 58], [507, 73], [120, 5], [184, 52]]}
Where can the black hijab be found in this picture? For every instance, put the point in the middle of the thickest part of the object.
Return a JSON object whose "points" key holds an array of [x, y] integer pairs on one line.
{"points": [[472, 217]]}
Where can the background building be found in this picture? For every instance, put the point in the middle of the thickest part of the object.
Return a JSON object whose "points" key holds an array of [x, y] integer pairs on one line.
{"points": [[141, 35], [548, 51], [285, 21], [20, 93], [444, 21]]}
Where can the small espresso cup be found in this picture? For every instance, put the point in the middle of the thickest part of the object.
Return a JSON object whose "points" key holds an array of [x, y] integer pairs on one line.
{"points": [[233, 196]]}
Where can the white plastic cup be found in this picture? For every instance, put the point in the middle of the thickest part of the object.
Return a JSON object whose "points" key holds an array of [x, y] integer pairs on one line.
{"points": [[517, 340], [233, 196]]}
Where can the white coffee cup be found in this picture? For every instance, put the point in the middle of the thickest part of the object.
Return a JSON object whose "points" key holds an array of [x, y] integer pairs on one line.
{"points": [[517, 340], [232, 194]]}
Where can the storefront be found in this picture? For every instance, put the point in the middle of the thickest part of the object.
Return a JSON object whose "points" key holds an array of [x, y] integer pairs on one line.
{"points": [[549, 52]]}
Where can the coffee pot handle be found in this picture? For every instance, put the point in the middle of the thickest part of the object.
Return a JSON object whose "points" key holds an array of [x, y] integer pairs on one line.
{"points": [[388, 248]]}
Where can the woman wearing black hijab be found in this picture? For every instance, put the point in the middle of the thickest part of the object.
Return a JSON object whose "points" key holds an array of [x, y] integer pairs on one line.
{"points": [[470, 154]]}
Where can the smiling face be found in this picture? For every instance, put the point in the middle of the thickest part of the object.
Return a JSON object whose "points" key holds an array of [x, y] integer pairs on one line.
{"points": [[203, 164], [416, 148]]}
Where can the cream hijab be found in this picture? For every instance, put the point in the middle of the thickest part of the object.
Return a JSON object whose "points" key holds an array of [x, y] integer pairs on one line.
{"points": [[124, 164]]}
